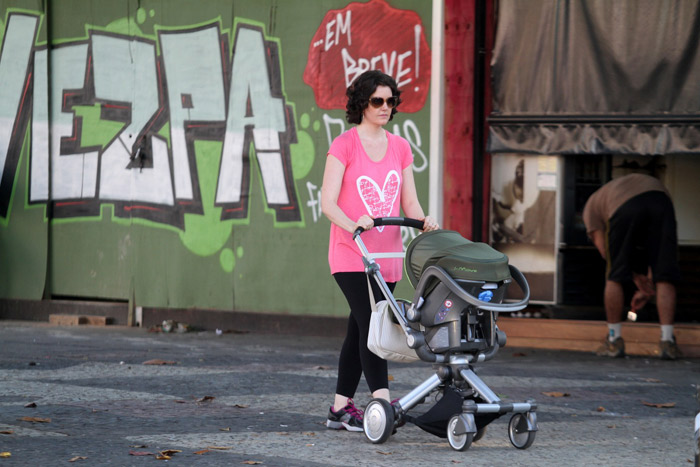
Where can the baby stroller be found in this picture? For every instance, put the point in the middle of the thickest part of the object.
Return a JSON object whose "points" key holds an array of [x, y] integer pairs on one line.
{"points": [[451, 322]]}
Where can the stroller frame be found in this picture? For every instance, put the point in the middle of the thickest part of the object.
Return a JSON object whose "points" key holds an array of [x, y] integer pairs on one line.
{"points": [[454, 370]]}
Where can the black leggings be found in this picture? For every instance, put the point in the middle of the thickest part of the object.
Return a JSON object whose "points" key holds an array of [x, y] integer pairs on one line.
{"points": [[355, 357]]}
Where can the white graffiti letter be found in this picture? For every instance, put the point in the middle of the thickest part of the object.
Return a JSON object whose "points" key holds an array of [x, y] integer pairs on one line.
{"points": [[314, 201], [39, 183], [117, 61], [328, 121], [194, 68], [255, 111], [73, 175]]}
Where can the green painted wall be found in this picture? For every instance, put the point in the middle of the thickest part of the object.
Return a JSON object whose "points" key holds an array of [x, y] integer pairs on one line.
{"points": [[204, 88]]}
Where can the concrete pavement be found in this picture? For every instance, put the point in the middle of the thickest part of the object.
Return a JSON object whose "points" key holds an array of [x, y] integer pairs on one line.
{"points": [[254, 399]]}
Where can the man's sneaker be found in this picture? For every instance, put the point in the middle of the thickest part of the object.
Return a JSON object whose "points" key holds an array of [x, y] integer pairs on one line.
{"points": [[614, 349], [668, 350], [349, 417]]}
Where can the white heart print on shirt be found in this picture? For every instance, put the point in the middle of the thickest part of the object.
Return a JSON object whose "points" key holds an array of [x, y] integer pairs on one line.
{"points": [[379, 202]]}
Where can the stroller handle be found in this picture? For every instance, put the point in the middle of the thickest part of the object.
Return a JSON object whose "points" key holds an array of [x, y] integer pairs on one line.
{"points": [[402, 221], [441, 274]]}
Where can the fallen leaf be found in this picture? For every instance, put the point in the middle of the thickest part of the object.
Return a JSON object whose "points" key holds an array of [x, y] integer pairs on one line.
{"points": [[206, 399], [157, 361], [138, 446], [161, 457], [169, 452], [556, 394], [321, 367], [5, 454], [600, 409], [385, 453], [391, 377], [225, 429], [310, 445], [309, 433], [220, 448], [35, 419], [180, 401], [662, 405], [31, 405], [251, 462], [77, 458], [140, 453], [241, 406], [203, 451], [612, 426], [6, 432]]}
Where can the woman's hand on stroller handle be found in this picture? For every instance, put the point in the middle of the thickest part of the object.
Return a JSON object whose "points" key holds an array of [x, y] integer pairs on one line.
{"points": [[427, 223], [430, 224], [363, 224]]}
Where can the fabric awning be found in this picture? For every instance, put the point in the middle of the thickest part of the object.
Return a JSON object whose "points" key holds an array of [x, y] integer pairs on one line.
{"points": [[596, 76]]}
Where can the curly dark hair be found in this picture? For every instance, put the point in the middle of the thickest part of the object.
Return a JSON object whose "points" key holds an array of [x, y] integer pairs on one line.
{"points": [[362, 88]]}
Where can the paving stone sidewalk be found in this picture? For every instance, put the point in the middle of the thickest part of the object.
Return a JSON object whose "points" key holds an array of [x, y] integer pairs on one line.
{"points": [[245, 399]]}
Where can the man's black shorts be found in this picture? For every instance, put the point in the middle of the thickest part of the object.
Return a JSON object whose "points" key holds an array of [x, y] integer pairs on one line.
{"points": [[642, 233]]}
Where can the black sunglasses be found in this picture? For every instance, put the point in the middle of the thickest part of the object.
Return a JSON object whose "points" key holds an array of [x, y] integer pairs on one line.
{"points": [[377, 102]]}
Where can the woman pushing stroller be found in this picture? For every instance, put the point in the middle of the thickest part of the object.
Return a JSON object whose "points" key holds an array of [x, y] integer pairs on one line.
{"points": [[368, 174]]}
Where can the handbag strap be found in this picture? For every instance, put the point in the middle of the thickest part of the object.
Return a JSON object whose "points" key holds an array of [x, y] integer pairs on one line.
{"points": [[371, 293]]}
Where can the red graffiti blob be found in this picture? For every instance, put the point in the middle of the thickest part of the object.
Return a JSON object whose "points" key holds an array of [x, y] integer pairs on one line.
{"points": [[369, 36]]}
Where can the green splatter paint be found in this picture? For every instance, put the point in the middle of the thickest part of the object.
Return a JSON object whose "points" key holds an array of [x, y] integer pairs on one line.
{"points": [[125, 27], [141, 15], [227, 260], [302, 155]]}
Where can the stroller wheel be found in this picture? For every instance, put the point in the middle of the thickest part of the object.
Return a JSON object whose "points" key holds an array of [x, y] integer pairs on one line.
{"points": [[378, 420], [519, 432], [461, 441], [479, 434]]}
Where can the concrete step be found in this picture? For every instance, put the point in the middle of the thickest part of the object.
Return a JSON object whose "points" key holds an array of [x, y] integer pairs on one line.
{"points": [[641, 339]]}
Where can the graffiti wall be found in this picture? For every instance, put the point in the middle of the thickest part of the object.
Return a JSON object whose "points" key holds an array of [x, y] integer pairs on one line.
{"points": [[170, 153]]}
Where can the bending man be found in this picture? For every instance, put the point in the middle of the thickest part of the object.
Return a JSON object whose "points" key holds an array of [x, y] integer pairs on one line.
{"points": [[632, 223]]}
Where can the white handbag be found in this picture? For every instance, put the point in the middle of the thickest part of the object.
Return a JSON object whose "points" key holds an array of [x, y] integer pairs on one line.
{"points": [[386, 337]]}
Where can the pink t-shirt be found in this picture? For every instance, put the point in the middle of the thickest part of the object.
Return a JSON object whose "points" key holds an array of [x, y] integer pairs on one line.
{"points": [[372, 188]]}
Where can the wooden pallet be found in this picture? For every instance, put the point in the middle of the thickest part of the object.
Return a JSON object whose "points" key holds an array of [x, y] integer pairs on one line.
{"points": [[78, 320]]}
